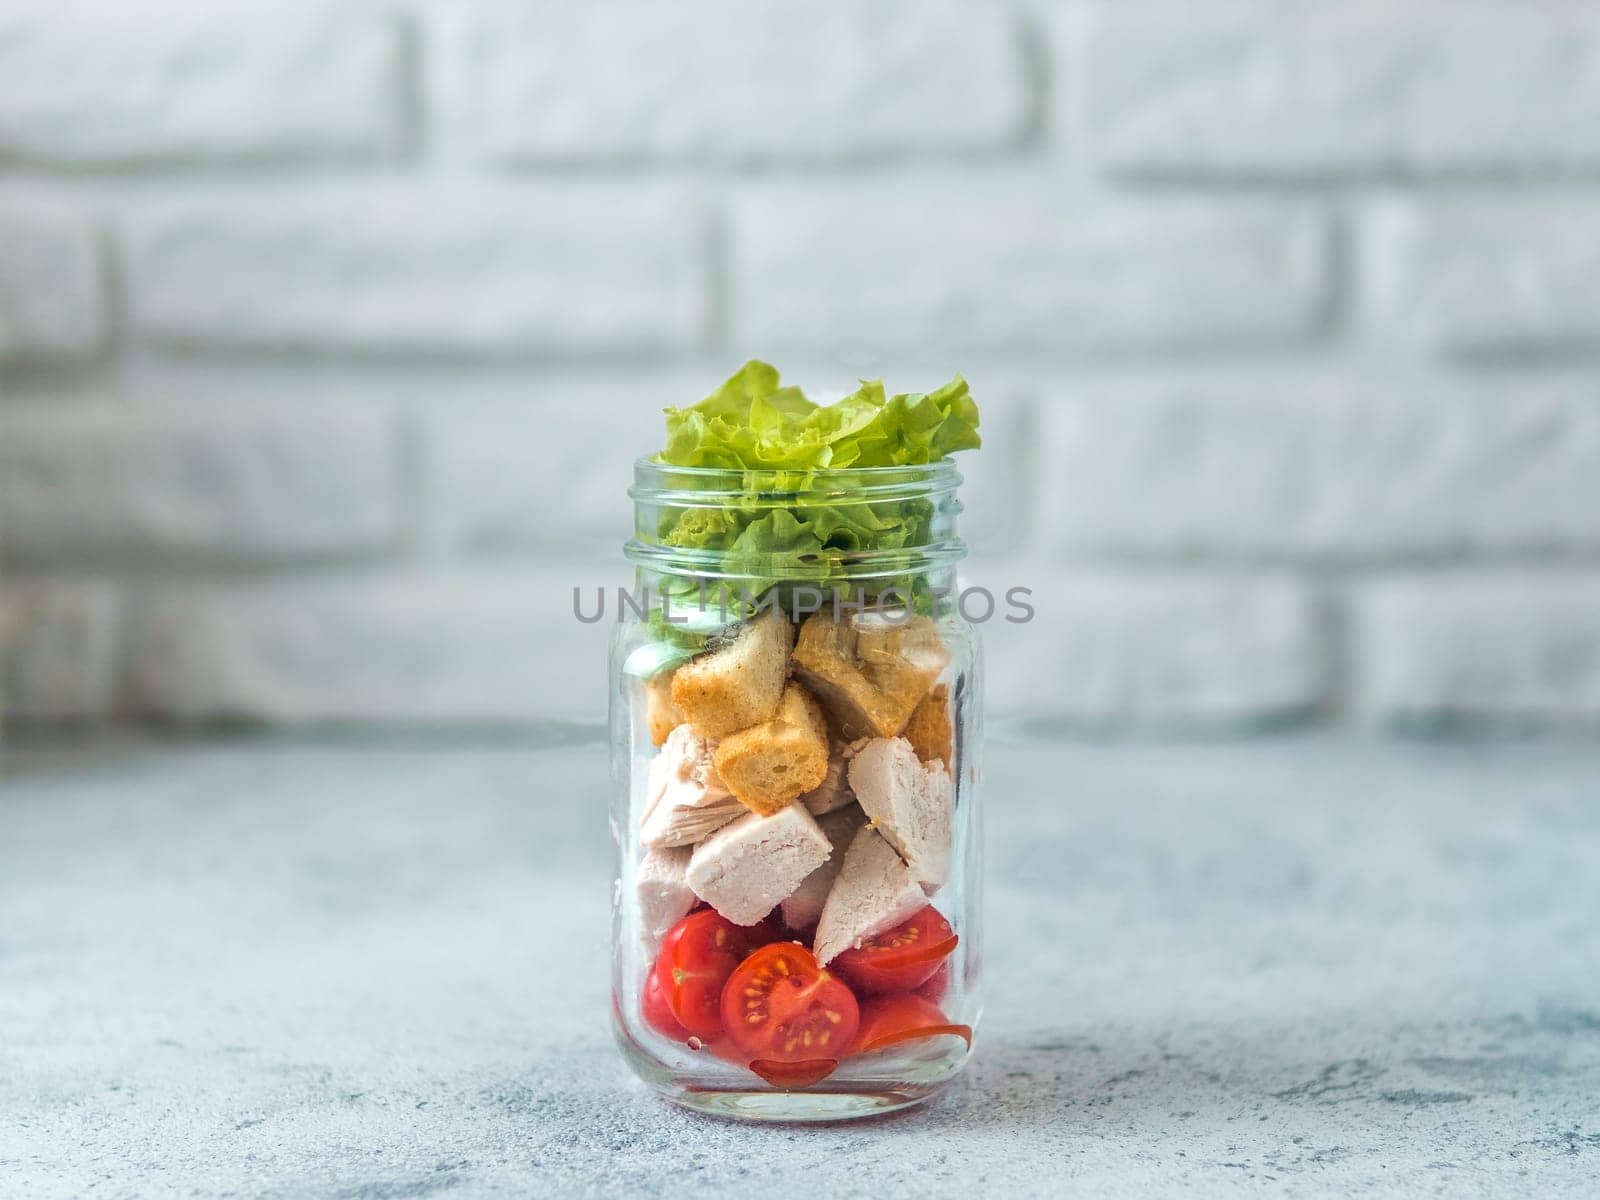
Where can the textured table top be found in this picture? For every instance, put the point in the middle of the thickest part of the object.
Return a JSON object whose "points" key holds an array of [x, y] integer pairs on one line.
{"points": [[1306, 967]]}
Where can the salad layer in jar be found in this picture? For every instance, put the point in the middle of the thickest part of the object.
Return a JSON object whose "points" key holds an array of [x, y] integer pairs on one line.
{"points": [[795, 879]]}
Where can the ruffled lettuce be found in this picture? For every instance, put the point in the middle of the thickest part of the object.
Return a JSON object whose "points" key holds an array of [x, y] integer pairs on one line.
{"points": [[753, 423], [774, 433]]}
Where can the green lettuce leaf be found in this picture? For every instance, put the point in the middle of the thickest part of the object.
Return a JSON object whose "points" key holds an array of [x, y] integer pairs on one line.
{"points": [[754, 424]]}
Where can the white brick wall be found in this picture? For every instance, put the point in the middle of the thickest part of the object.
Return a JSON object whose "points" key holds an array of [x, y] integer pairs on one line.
{"points": [[1303, 466], [1268, 88], [608, 81], [1476, 647], [493, 648], [93, 84], [493, 493], [416, 268], [52, 286], [104, 483], [328, 332], [1133, 276], [1177, 649], [56, 650], [1490, 277]]}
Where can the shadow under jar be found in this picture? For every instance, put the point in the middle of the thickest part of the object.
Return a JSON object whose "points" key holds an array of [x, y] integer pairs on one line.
{"points": [[795, 737]]}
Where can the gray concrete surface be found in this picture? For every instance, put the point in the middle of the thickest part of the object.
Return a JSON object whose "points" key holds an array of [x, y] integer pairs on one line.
{"points": [[1303, 967]]}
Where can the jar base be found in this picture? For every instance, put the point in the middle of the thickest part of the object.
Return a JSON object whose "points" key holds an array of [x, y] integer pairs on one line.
{"points": [[719, 1092], [795, 1106]]}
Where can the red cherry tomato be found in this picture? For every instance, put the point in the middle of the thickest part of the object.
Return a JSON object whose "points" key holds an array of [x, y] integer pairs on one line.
{"points": [[789, 1076], [722, 1047], [790, 1017], [901, 958], [938, 984], [697, 956], [888, 1020], [781, 1075], [657, 1012]]}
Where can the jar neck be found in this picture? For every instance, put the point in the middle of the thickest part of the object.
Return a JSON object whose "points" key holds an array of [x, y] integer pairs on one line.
{"points": [[870, 531], [680, 604]]}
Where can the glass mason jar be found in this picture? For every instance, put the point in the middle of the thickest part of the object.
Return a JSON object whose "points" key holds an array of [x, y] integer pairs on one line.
{"points": [[795, 739]]}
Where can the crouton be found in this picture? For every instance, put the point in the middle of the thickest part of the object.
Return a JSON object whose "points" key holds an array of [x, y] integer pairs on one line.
{"points": [[909, 802], [874, 892], [768, 765], [660, 713], [929, 730], [740, 683], [804, 905], [913, 642], [868, 673], [685, 798], [744, 869], [664, 892]]}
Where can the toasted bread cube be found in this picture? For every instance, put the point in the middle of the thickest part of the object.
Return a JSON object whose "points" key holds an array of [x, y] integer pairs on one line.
{"points": [[833, 793], [929, 730], [869, 673], [874, 892], [664, 893], [910, 803], [686, 798], [769, 765], [747, 867], [660, 713], [740, 683], [913, 642], [804, 905]]}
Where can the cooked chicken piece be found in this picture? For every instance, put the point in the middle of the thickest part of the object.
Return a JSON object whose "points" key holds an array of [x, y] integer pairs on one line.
{"points": [[748, 866], [664, 892], [874, 892], [686, 797], [804, 905], [909, 802], [833, 792]]}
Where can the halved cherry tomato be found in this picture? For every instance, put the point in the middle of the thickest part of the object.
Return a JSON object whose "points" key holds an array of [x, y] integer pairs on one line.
{"points": [[794, 1075], [887, 1020], [722, 1047], [697, 956], [901, 958], [657, 1012], [938, 984], [788, 1015], [783, 1075]]}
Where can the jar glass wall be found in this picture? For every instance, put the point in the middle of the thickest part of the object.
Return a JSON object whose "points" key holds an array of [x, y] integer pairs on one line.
{"points": [[795, 745]]}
